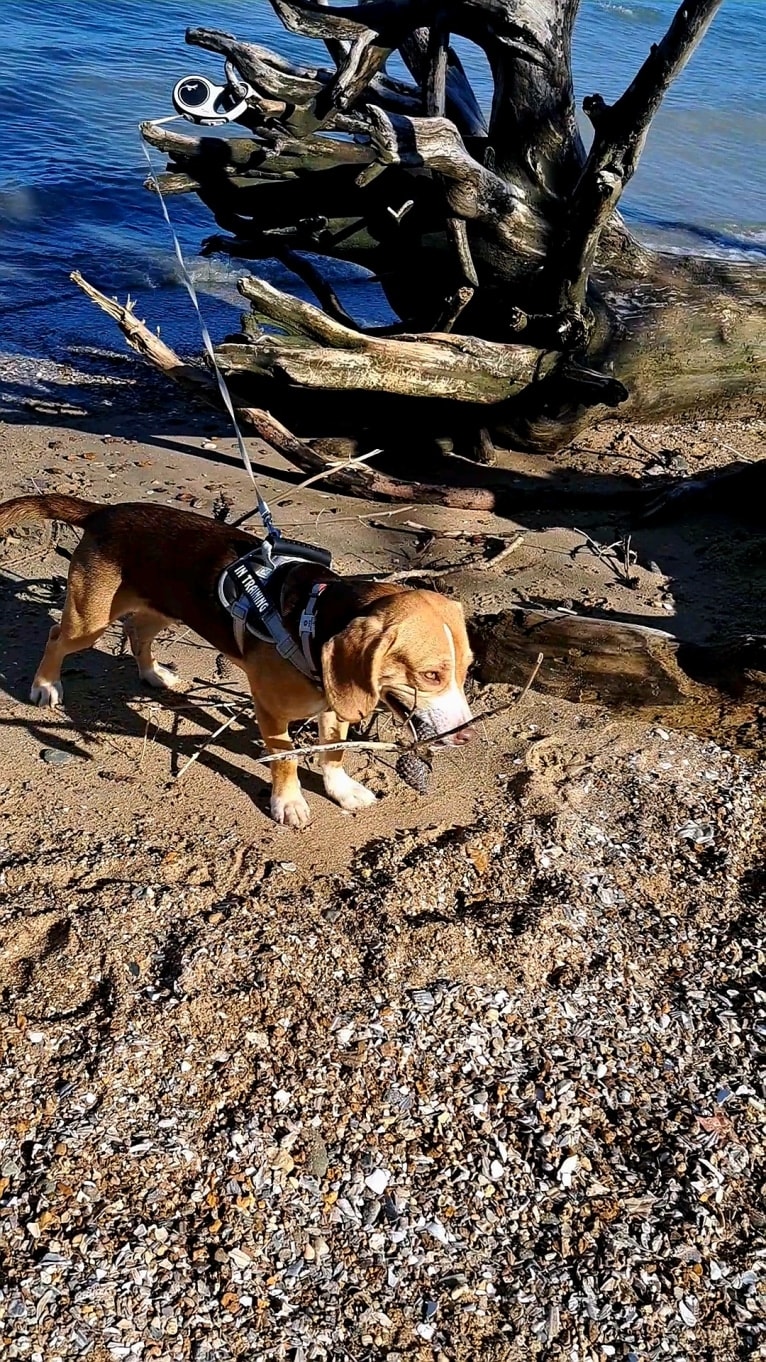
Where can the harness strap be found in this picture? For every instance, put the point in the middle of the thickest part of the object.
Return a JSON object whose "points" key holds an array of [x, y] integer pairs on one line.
{"points": [[243, 591], [308, 624]]}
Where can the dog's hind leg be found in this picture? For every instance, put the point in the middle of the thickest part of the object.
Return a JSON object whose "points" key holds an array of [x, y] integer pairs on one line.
{"points": [[89, 609], [142, 627]]}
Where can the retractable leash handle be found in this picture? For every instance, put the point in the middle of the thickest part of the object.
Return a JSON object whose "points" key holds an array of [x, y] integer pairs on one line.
{"points": [[200, 100]]}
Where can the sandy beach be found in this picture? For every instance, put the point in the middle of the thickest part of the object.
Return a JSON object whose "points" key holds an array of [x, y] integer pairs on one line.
{"points": [[471, 1074]]}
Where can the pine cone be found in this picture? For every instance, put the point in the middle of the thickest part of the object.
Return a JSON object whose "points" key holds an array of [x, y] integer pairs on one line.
{"points": [[414, 772]]}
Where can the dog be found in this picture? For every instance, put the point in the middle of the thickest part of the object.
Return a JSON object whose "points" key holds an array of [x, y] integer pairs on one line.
{"points": [[373, 641]]}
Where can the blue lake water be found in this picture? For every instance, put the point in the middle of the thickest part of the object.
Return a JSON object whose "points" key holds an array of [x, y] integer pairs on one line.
{"points": [[79, 76]]}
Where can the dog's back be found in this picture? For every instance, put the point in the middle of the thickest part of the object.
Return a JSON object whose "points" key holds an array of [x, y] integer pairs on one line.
{"points": [[168, 559]]}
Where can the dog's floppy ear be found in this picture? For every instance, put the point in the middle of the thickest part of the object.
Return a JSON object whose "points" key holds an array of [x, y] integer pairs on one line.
{"points": [[351, 663]]}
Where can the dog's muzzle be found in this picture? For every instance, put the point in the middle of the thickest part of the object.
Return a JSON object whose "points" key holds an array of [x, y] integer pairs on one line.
{"points": [[436, 721]]}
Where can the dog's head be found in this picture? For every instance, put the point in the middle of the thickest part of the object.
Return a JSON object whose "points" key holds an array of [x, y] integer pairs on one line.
{"points": [[409, 650]]}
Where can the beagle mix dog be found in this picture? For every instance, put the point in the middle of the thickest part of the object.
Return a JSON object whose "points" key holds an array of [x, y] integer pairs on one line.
{"points": [[373, 641]]}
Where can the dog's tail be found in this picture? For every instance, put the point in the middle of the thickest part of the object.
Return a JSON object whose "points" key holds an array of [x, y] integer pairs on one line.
{"points": [[22, 510]]}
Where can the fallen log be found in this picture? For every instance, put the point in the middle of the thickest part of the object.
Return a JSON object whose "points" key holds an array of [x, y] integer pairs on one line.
{"points": [[628, 666], [354, 481], [428, 365]]}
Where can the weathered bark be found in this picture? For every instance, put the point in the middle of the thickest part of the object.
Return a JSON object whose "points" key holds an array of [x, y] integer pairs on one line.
{"points": [[428, 366], [502, 235], [629, 665]]}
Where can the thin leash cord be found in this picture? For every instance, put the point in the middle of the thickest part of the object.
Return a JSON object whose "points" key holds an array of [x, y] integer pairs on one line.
{"points": [[263, 509]]}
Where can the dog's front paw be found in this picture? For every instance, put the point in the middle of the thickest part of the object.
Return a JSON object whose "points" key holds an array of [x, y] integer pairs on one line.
{"points": [[290, 810], [347, 792], [163, 678], [46, 694]]}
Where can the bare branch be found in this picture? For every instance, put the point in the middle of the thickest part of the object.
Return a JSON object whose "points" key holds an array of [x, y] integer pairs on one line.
{"points": [[620, 134], [319, 286], [453, 307], [297, 317], [473, 192], [461, 104], [458, 234], [311, 21], [435, 84], [277, 80], [357, 67], [389, 18]]}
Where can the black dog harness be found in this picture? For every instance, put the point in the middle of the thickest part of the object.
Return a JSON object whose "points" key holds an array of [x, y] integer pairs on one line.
{"points": [[245, 591]]}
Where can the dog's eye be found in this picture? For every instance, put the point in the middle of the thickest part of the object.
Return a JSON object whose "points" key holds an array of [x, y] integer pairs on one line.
{"points": [[432, 676]]}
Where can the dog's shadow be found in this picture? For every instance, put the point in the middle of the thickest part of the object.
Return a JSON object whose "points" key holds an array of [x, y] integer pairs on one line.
{"points": [[99, 687]]}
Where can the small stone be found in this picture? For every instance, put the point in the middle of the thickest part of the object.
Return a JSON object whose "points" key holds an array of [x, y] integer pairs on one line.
{"points": [[687, 1309], [283, 1162], [438, 1232], [378, 1180], [56, 756], [318, 1158], [567, 1170], [240, 1258], [423, 999]]}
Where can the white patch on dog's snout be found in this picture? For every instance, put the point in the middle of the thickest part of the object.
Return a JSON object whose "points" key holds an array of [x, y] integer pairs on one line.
{"points": [[450, 709]]}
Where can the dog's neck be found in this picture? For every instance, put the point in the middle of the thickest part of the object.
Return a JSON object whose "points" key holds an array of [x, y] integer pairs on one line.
{"points": [[342, 600]]}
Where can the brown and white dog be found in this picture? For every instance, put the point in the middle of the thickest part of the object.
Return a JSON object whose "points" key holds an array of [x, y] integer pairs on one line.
{"points": [[373, 642]]}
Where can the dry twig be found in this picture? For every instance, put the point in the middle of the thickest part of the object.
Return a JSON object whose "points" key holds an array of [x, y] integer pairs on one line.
{"points": [[221, 729]]}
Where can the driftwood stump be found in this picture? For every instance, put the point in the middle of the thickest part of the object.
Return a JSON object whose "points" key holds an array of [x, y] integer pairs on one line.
{"points": [[525, 305]]}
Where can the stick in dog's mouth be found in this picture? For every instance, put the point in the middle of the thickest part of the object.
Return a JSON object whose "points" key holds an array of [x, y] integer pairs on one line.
{"points": [[420, 725]]}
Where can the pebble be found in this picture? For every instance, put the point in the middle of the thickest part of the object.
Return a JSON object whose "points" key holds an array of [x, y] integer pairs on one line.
{"points": [[318, 1158], [378, 1180], [56, 756]]}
